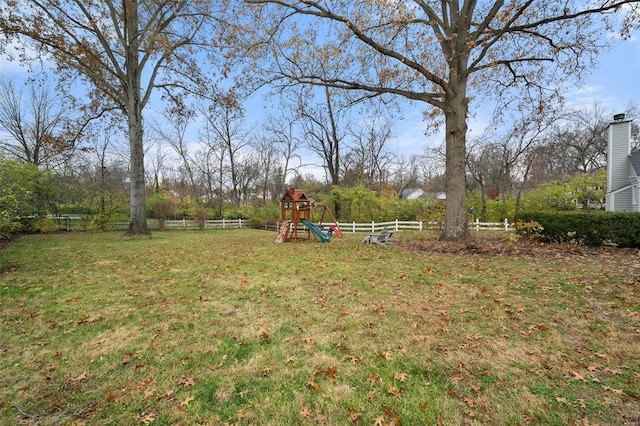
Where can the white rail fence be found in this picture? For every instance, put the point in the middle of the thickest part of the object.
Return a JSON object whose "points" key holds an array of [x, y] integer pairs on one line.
{"points": [[209, 224], [419, 225], [353, 227], [69, 222]]}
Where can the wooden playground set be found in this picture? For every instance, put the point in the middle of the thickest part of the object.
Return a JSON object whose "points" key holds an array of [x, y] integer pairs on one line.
{"points": [[296, 219]]}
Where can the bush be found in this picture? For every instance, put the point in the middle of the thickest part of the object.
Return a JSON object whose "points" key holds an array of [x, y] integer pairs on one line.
{"points": [[261, 217], [531, 229], [25, 193], [201, 216], [45, 226], [589, 228], [162, 207]]}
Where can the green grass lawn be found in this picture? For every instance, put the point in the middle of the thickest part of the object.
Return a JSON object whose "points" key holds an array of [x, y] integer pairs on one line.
{"points": [[221, 327]]}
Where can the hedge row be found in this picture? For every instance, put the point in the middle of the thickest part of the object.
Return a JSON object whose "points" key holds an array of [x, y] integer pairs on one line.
{"points": [[590, 228]]}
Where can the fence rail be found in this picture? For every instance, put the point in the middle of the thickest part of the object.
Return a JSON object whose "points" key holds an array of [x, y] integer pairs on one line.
{"points": [[209, 224], [70, 222], [416, 226], [67, 221]]}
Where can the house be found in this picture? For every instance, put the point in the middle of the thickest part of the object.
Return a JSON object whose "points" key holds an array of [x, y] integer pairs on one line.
{"points": [[412, 193], [416, 193], [623, 168]]}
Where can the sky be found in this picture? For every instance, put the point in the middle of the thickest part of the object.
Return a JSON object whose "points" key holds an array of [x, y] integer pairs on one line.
{"points": [[614, 84]]}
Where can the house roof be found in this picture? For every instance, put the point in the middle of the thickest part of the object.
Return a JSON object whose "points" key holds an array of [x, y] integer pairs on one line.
{"points": [[634, 159], [293, 194], [412, 193]]}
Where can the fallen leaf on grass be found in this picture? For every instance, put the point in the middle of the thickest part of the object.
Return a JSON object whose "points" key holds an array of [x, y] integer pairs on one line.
{"points": [[606, 357], [304, 412], [186, 382], [222, 361], [314, 385], [354, 416], [402, 377], [373, 379], [330, 373], [578, 376], [616, 391], [77, 379], [186, 401], [392, 390], [147, 418], [110, 397]]}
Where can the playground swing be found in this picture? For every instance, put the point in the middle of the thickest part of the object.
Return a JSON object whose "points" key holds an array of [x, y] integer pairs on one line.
{"points": [[333, 229]]}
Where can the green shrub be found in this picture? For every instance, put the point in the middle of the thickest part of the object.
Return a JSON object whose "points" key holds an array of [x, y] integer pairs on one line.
{"points": [[531, 229], [201, 216], [44, 225], [589, 228]]}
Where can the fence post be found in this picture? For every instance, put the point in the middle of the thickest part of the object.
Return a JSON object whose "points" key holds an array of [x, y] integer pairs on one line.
{"points": [[223, 224], [240, 223], [397, 224], [184, 223], [506, 224], [354, 227], [373, 226], [477, 224], [421, 225]]}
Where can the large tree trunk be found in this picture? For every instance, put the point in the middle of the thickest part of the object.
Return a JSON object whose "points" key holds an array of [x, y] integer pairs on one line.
{"points": [[456, 226], [138, 202]]}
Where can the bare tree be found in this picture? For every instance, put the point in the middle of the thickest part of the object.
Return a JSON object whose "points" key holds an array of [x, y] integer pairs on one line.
{"points": [[499, 160], [323, 128], [267, 163], [440, 53], [225, 129], [281, 132], [173, 132], [37, 125], [125, 50], [368, 160]]}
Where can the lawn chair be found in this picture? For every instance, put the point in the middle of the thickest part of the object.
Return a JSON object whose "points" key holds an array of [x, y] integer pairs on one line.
{"points": [[385, 236]]}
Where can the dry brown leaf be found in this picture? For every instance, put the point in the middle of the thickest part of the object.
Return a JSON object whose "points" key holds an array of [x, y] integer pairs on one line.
{"points": [[304, 412], [187, 381], [186, 401], [402, 377], [314, 385], [147, 418]]}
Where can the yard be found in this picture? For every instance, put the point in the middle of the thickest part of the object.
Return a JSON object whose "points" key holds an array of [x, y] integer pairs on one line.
{"points": [[217, 327]]}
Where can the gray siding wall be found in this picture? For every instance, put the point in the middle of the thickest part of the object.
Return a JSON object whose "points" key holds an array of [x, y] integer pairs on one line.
{"points": [[623, 201], [619, 149]]}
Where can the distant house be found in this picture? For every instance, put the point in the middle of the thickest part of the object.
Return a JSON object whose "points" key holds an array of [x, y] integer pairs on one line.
{"points": [[412, 193], [416, 193], [623, 168]]}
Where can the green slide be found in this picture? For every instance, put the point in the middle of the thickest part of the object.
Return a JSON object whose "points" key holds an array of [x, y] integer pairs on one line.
{"points": [[317, 232]]}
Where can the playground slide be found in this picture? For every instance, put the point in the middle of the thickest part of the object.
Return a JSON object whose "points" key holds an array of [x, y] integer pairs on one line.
{"points": [[336, 230], [317, 232]]}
